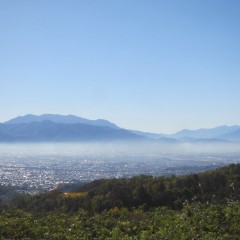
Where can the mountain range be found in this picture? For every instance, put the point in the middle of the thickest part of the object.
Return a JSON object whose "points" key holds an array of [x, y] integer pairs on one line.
{"points": [[203, 133], [60, 128], [69, 119], [51, 127]]}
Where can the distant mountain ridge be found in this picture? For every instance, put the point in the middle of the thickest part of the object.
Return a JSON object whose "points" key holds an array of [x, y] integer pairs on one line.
{"points": [[232, 136], [53, 127], [67, 119], [61, 132], [205, 133], [229, 133]]}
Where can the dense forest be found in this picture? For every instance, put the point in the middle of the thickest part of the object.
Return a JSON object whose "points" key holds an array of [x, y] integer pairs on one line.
{"points": [[196, 206]]}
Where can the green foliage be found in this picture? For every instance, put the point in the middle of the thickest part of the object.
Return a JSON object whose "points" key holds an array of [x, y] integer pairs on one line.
{"points": [[192, 222], [198, 206]]}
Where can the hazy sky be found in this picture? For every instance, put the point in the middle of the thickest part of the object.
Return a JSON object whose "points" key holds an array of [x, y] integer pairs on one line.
{"points": [[150, 65]]}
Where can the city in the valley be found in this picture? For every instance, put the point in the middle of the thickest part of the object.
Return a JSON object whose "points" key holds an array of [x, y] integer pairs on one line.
{"points": [[38, 168]]}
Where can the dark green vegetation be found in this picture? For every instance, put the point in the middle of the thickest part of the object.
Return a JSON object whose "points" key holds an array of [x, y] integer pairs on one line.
{"points": [[192, 222], [197, 206]]}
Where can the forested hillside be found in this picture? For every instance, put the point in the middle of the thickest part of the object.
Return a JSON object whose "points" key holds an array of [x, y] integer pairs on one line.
{"points": [[218, 186], [196, 206]]}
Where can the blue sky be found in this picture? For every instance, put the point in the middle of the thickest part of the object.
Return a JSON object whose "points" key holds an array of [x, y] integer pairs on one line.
{"points": [[154, 65]]}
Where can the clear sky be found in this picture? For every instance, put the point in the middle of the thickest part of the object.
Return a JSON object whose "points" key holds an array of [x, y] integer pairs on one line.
{"points": [[150, 65]]}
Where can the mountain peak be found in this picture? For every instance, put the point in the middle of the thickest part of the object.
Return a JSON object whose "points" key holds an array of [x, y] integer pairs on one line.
{"points": [[66, 119]]}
